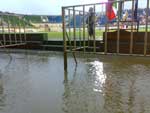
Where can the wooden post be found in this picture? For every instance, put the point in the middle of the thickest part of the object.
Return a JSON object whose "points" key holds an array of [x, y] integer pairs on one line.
{"points": [[80, 29], [64, 38], [74, 27], [3, 30], [105, 48], [9, 35], [146, 30], [20, 31], [88, 40], [131, 38], [24, 30], [94, 42], [69, 21], [15, 29], [118, 29], [83, 28]]}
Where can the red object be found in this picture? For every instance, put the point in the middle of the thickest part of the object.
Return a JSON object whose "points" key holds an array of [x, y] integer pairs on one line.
{"points": [[110, 12]]}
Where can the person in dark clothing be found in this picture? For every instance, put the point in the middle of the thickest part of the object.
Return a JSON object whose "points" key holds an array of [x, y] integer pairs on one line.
{"points": [[90, 22]]}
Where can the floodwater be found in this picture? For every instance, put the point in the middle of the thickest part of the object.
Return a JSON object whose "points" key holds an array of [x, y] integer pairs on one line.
{"points": [[35, 82]]}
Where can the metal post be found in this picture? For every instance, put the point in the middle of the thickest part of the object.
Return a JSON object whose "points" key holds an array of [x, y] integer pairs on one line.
{"points": [[64, 38], [131, 38], [8, 22], [83, 28], [118, 30], [94, 42], [74, 27], [105, 48], [146, 29]]}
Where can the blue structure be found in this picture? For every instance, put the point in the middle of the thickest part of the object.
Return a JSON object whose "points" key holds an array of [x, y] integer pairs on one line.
{"points": [[54, 19]]}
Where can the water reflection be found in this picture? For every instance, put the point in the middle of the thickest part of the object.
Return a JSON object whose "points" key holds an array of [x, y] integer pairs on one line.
{"points": [[131, 98], [2, 96], [74, 97], [80, 92], [112, 97], [100, 77], [107, 87]]}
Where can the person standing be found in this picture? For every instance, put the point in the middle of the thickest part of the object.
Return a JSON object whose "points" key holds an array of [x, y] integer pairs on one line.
{"points": [[90, 21]]}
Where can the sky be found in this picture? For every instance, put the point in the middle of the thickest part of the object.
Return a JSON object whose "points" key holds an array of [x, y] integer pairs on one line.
{"points": [[44, 7]]}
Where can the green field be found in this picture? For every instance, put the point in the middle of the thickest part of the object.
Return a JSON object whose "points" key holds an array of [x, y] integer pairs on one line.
{"points": [[79, 34], [99, 34], [59, 35]]}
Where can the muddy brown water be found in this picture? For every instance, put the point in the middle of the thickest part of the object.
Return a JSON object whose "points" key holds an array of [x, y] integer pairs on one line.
{"points": [[36, 83]]}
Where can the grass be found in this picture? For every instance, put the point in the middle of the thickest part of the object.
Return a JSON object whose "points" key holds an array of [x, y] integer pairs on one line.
{"points": [[59, 35], [55, 35], [99, 34]]}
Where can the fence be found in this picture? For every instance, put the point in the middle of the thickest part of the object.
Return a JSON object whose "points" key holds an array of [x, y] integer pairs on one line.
{"points": [[119, 36]]}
